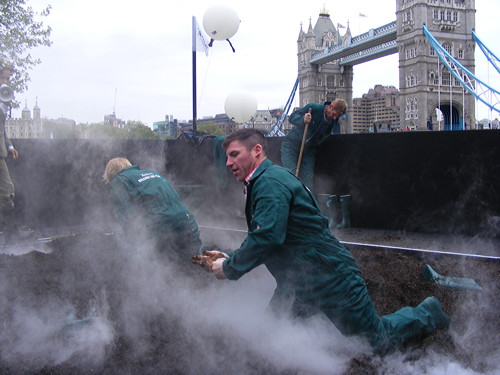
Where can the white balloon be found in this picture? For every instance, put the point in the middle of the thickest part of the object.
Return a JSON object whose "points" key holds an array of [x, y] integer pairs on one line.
{"points": [[221, 22], [240, 106]]}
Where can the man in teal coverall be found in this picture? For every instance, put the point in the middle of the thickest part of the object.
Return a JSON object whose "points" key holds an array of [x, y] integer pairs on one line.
{"points": [[323, 121], [288, 234], [145, 199]]}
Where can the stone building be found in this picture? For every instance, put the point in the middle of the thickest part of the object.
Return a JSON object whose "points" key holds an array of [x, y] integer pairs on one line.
{"points": [[114, 121], [426, 86], [26, 126], [379, 107]]}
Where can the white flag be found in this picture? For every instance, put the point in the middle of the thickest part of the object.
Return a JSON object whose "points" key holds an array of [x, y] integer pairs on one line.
{"points": [[200, 42]]}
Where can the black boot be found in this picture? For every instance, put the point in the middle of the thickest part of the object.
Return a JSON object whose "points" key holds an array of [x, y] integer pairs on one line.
{"points": [[332, 205], [322, 200], [328, 204], [345, 204]]}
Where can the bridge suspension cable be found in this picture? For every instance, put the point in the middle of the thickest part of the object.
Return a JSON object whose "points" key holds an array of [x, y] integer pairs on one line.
{"points": [[467, 79], [487, 52], [276, 129]]}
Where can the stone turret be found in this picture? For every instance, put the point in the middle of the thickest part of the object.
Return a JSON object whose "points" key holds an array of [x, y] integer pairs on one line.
{"points": [[26, 113], [36, 111], [324, 82]]}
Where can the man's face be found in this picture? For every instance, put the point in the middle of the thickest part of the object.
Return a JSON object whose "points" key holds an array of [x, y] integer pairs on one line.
{"points": [[331, 113], [240, 160], [5, 76]]}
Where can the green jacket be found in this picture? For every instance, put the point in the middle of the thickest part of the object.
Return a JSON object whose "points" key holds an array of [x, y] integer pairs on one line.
{"points": [[318, 128], [288, 234], [146, 197]]}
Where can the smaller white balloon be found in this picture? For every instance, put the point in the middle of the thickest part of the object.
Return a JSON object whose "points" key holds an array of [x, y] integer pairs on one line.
{"points": [[221, 22], [240, 106]]}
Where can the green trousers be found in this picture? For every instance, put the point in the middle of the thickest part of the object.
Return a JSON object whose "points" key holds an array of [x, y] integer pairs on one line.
{"points": [[6, 186], [290, 157], [332, 284]]}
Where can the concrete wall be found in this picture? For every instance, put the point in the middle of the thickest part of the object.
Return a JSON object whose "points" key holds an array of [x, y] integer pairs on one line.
{"points": [[446, 182]]}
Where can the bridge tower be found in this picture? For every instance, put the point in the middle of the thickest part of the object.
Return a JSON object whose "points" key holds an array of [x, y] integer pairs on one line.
{"points": [[425, 84], [323, 82]]}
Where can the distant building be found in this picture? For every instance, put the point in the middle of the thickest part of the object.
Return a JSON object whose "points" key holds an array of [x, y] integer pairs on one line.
{"points": [[26, 126], [114, 121], [167, 128], [220, 120], [32, 127], [378, 108], [264, 120]]}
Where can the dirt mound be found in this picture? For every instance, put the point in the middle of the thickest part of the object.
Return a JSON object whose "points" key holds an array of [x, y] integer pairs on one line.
{"points": [[142, 313]]}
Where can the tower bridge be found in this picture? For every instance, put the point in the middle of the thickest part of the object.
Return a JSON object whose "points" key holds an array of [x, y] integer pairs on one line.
{"points": [[373, 44], [428, 93]]}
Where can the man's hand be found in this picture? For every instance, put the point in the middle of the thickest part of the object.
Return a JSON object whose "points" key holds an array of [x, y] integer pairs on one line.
{"points": [[307, 117], [207, 260], [13, 152], [217, 268]]}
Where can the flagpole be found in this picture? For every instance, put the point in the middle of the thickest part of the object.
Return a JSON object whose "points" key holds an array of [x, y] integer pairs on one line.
{"points": [[194, 73]]}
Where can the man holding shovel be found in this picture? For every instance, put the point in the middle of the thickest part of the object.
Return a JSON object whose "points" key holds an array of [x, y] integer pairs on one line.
{"points": [[313, 271], [312, 124]]}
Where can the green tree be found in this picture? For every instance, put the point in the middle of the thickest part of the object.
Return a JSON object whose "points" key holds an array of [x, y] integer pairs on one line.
{"points": [[104, 131], [20, 31], [132, 130], [137, 130], [53, 129], [210, 128]]}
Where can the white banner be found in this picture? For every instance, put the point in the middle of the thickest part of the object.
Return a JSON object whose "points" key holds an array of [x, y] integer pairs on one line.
{"points": [[200, 42]]}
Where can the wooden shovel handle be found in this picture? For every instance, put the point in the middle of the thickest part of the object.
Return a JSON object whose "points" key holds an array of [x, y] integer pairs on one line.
{"points": [[304, 136]]}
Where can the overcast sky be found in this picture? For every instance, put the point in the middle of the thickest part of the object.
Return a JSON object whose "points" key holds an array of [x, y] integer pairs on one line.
{"points": [[135, 58]]}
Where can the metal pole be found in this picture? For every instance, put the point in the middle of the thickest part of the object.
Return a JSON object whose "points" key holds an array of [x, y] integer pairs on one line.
{"points": [[194, 73], [463, 107], [451, 103], [439, 93]]}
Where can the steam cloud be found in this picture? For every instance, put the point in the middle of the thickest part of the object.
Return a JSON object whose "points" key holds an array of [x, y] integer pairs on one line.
{"points": [[148, 314]]}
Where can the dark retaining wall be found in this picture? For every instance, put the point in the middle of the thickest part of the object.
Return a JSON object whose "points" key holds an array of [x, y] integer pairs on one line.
{"points": [[443, 182], [446, 182]]}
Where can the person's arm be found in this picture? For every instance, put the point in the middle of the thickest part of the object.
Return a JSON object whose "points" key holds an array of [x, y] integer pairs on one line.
{"points": [[123, 203], [297, 117], [268, 231], [8, 144]]}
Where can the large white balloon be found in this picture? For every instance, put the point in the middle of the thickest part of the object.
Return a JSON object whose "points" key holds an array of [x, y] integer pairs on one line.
{"points": [[221, 22], [240, 106]]}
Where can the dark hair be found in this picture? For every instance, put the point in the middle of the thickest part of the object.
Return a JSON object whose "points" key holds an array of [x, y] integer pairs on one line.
{"points": [[249, 137]]}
